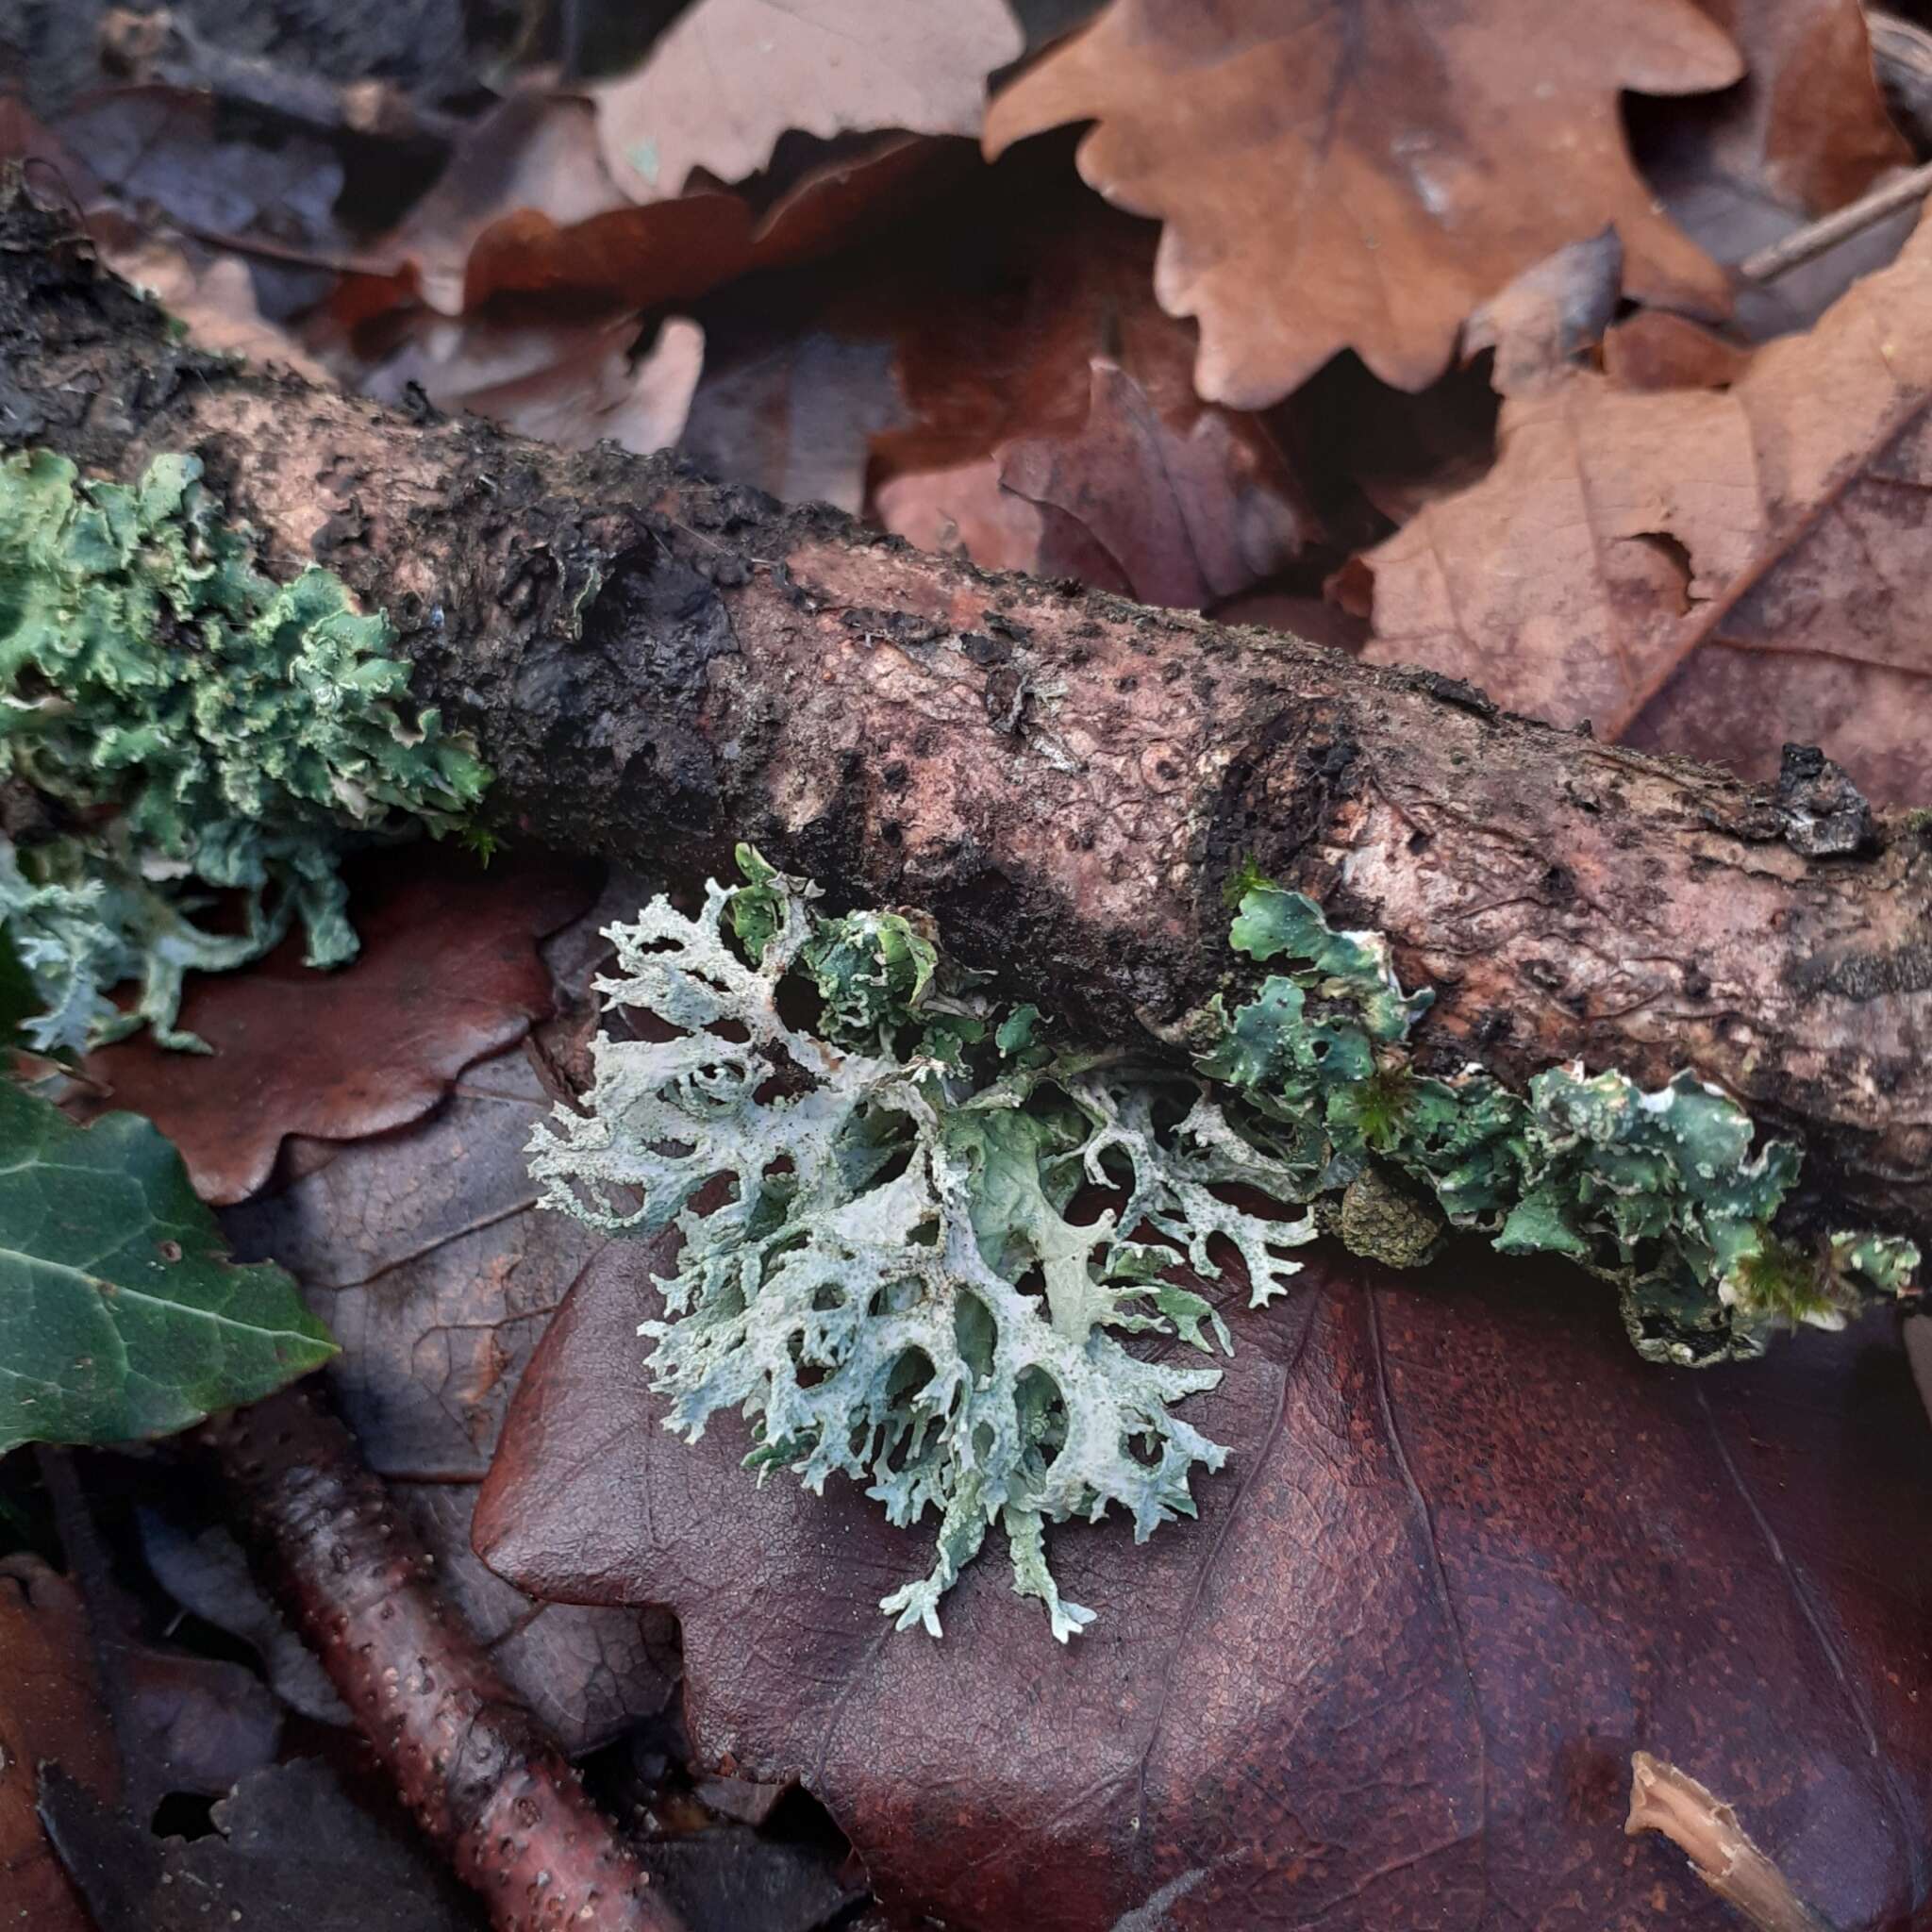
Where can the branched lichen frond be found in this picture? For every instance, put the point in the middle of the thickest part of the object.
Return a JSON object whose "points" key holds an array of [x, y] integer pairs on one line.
{"points": [[188, 724], [937, 1234], [897, 1288]]}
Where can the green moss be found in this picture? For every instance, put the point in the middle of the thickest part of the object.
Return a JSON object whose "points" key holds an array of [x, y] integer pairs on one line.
{"points": [[191, 726]]}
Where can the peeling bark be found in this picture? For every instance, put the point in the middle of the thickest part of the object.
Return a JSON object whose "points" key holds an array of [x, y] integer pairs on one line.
{"points": [[475, 1767], [657, 665]]}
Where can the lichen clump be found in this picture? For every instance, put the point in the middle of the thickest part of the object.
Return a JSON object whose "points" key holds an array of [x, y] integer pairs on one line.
{"points": [[943, 1231], [173, 722]]}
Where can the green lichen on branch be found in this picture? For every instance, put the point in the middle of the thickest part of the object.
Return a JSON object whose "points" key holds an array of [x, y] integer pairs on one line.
{"points": [[940, 1234], [1662, 1193], [179, 723]]}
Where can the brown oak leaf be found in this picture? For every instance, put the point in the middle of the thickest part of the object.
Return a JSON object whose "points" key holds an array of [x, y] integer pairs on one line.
{"points": [[730, 77], [1362, 176], [1703, 572], [1469, 1552], [448, 972]]}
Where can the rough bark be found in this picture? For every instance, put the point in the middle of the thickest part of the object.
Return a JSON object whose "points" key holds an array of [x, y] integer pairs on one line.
{"points": [[477, 1768], [657, 665]]}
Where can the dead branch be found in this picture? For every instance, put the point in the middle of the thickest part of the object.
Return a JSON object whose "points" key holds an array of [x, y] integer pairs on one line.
{"points": [[472, 1763], [657, 665]]}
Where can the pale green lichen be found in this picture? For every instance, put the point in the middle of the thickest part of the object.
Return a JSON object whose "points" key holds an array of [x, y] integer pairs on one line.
{"points": [[898, 1286], [189, 726], [894, 1289]]}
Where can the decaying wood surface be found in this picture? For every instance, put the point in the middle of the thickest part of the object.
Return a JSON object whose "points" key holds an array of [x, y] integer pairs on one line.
{"points": [[657, 665]]}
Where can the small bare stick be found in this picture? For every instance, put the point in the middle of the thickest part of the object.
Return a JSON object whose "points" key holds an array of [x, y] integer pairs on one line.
{"points": [[1804, 245], [484, 1780], [1662, 1798]]}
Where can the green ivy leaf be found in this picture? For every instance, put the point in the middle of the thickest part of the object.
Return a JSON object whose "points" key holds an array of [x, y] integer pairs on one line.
{"points": [[121, 1315]]}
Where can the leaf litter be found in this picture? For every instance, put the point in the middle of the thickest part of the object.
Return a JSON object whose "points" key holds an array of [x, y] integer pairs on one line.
{"points": [[1230, 405]]}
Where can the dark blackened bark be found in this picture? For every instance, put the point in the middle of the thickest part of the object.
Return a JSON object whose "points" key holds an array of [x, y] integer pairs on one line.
{"points": [[477, 1770], [657, 665]]}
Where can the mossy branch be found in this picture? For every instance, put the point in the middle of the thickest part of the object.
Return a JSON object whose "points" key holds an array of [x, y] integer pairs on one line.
{"points": [[655, 665]]}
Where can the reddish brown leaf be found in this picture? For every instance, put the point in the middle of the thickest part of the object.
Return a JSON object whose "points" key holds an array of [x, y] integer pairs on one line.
{"points": [[625, 257], [1038, 366], [447, 973], [1188, 518], [1709, 573], [50, 1709], [1809, 120], [1655, 349], [1805, 132], [1363, 176], [527, 211], [1469, 1553], [423, 1251], [426, 1254], [731, 76]]}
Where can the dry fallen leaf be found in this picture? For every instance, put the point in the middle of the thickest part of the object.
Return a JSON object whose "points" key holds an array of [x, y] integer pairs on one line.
{"points": [[1809, 121], [50, 1709], [448, 972], [213, 294], [564, 384], [289, 1847], [1704, 572], [1053, 422], [1363, 176], [1804, 133], [1189, 519], [425, 1252], [730, 77], [1655, 349], [1468, 1553]]}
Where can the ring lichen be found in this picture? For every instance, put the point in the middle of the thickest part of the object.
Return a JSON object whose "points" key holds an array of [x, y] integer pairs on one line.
{"points": [[173, 723], [943, 1231]]}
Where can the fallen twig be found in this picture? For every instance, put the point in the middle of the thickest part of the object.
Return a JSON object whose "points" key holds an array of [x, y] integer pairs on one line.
{"points": [[469, 1760], [1666, 1800], [1808, 243], [656, 666]]}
